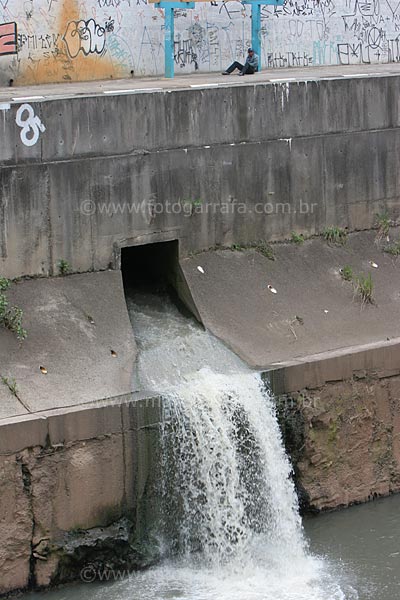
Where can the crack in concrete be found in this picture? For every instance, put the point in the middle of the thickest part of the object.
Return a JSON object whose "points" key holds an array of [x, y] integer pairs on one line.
{"points": [[27, 486]]}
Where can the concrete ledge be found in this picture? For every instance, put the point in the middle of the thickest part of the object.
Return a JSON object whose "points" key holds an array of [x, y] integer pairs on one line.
{"points": [[380, 359]]}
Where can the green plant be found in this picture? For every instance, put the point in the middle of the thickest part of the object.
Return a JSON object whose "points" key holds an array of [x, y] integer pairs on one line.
{"points": [[393, 249], [383, 223], [11, 384], [197, 202], [364, 288], [10, 316], [265, 249], [4, 284], [64, 267], [335, 235], [297, 238], [237, 247], [347, 273]]}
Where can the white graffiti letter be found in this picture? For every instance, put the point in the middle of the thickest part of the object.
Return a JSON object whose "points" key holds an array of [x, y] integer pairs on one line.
{"points": [[30, 123]]}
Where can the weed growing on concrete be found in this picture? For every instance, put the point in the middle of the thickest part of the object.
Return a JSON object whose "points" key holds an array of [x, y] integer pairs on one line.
{"points": [[364, 288], [261, 246], [335, 235], [383, 223], [297, 238], [64, 267], [347, 273], [10, 316], [11, 384], [393, 249], [265, 249]]}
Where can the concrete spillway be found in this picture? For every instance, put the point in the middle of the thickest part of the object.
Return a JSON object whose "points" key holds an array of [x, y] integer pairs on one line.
{"points": [[109, 173]]}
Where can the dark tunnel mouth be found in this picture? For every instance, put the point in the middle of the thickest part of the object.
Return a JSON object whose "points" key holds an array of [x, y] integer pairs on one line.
{"points": [[155, 269], [150, 267]]}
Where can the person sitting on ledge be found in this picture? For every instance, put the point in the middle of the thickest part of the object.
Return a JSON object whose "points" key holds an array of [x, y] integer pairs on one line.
{"points": [[249, 67]]}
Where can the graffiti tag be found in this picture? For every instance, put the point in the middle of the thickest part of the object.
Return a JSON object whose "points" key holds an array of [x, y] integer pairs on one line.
{"points": [[8, 38], [30, 123], [84, 36]]}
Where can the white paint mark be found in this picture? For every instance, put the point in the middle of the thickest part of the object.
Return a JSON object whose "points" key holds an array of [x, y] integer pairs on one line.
{"points": [[133, 91], [282, 80], [356, 75], [5, 106], [207, 146], [31, 125], [288, 141], [28, 98], [203, 85]]}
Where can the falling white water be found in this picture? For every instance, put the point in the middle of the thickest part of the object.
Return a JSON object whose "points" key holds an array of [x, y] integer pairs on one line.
{"points": [[229, 469], [231, 521]]}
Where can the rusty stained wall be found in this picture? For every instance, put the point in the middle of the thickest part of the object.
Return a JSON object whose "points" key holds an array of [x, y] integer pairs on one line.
{"points": [[71, 40]]}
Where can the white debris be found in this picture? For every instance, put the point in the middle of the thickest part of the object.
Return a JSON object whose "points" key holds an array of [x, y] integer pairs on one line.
{"points": [[272, 289], [373, 264], [200, 269]]}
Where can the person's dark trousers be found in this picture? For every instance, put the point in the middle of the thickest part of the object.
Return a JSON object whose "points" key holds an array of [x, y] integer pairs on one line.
{"points": [[235, 65], [245, 69]]}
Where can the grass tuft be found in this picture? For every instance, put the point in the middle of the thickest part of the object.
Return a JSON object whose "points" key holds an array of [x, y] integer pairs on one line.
{"points": [[383, 223], [347, 273], [297, 238], [364, 288], [335, 235]]}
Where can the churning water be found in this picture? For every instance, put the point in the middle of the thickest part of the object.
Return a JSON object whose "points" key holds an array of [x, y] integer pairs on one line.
{"points": [[230, 528]]}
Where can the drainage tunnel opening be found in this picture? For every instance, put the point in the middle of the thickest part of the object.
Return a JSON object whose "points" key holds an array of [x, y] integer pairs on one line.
{"points": [[155, 269], [150, 267]]}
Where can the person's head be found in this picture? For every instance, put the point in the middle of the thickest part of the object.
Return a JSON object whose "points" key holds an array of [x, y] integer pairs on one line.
{"points": [[250, 51]]}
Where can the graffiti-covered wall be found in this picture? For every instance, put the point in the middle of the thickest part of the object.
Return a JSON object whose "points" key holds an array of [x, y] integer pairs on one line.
{"points": [[70, 40]]}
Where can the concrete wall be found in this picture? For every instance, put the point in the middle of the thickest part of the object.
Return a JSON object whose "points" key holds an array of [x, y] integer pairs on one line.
{"points": [[82, 177], [340, 416], [74, 483], [70, 40]]}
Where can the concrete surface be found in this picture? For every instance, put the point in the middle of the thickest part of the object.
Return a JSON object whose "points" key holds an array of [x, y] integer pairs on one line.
{"points": [[220, 165], [145, 84], [76, 352], [344, 437], [235, 303], [70, 469]]}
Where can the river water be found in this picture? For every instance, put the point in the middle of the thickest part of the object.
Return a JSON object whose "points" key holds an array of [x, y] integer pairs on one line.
{"points": [[230, 528]]}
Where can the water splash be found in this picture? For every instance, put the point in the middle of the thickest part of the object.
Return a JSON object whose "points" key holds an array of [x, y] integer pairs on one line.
{"points": [[230, 527]]}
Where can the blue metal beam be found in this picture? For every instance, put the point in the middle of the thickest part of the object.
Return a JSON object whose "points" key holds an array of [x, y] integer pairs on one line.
{"points": [[256, 30], [169, 32], [256, 23]]}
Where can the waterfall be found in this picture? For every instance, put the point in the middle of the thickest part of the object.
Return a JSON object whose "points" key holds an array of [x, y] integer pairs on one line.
{"points": [[226, 469], [230, 526]]}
